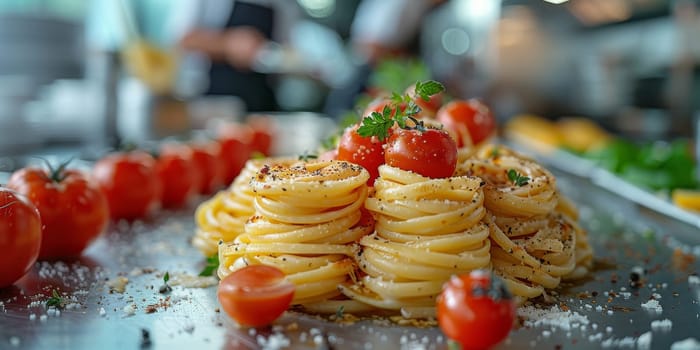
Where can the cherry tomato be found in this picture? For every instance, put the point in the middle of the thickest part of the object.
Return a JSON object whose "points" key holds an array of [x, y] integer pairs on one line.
{"points": [[177, 174], [255, 295], [235, 142], [470, 120], [205, 156], [367, 152], [428, 108], [131, 183], [475, 310], [331, 154], [431, 153], [20, 236], [263, 133], [74, 211]]}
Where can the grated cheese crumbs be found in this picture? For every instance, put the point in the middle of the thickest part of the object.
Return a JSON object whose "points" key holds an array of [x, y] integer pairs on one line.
{"points": [[553, 317], [686, 344], [191, 281], [653, 305], [117, 284], [694, 280], [273, 342], [664, 325]]}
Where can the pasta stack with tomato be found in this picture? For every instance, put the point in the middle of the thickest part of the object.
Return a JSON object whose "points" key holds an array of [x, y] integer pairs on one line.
{"points": [[534, 244], [427, 230], [222, 218], [306, 219]]}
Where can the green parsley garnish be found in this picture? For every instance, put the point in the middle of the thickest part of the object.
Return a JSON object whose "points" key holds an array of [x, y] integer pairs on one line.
{"points": [[55, 300], [379, 124], [340, 311], [517, 179], [165, 288], [211, 266]]}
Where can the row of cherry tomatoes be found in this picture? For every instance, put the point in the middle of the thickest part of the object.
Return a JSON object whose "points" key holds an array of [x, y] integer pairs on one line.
{"points": [[57, 212]]}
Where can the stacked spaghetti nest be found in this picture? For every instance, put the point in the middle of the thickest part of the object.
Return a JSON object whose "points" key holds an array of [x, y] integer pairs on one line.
{"points": [[307, 219], [392, 247], [222, 218], [536, 241]]}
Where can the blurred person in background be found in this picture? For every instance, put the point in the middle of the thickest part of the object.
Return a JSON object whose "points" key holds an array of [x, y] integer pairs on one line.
{"points": [[232, 35], [381, 29]]}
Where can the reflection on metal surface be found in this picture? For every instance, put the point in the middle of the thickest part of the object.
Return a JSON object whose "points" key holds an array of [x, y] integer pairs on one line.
{"points": [[190, 318]]}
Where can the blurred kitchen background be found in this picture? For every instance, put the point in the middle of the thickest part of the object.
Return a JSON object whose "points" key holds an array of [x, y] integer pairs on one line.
{"points": [[92, 73]]}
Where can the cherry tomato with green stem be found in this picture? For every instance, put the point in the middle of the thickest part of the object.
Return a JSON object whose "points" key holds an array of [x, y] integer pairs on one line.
{"points": [[20, 236], [476, 310], [255, 295], [73, 208]]}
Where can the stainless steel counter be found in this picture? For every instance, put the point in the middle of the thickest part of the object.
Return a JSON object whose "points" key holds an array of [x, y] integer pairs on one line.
{"points": [[99, 317]]}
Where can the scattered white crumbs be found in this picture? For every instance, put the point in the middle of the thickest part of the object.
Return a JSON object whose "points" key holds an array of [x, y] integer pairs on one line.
{"points": [[595, 337], [653, 305], [686, 344], [626, 295], [608, 329], [599, 308], [664, 325], [694, 280], [553, 317], [43, 318], [117, 284], [644, 341], [546, 333], [129, 310], [32, 317], [191, 281], [274, 341], [14, 341], [626, 342], [656, 296], [103, 312]]}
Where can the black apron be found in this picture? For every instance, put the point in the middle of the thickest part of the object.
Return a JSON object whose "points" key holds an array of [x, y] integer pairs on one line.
{"points": [[253, 88]]}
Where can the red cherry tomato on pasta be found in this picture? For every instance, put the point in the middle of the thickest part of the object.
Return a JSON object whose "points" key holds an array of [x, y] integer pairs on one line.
{"points": [[177, 174], [130, 182], [20, 236], [428, 108], [255, 295], [367, 152], [475, 310], [235, 141], [205, 156], [470, 119], [431, 153], [74, 211]]}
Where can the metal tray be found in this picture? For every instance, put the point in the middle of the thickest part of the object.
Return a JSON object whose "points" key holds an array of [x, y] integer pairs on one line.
{"points": [[624, 235]]}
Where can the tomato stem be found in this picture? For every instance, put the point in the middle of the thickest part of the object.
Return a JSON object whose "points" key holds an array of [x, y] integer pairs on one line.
{"points": [[58, 174]]}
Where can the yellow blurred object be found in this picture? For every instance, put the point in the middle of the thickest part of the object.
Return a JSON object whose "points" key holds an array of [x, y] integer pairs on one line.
{"points": [[534, 131], [581, 134], [154, 66], [686, 199]]}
